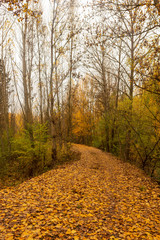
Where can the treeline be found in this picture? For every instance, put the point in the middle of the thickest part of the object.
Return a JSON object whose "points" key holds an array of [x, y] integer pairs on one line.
{"points": [[93, 80]]}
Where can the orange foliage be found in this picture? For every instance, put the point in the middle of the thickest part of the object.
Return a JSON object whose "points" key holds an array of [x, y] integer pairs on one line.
{"points": [[97, 197]]}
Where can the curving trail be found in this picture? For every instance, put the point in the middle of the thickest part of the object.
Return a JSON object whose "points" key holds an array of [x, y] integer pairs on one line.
{"points": [[96, 197]]}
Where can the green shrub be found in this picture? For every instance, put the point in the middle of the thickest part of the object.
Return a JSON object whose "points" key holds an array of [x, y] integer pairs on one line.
{"points": [[33, 155]]}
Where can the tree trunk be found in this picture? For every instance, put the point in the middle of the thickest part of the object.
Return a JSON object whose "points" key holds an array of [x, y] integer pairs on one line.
{"points": [[52, 117]]}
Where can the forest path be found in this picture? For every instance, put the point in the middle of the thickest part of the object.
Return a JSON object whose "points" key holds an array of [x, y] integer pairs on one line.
{"points": [[96, 197]]}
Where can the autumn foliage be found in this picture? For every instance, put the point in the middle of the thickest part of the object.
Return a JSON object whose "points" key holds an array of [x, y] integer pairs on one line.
{"points": [[76, 73], [97, 197]]}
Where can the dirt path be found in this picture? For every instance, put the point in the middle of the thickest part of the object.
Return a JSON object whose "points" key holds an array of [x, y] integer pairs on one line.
{"points": [[97, 197]]}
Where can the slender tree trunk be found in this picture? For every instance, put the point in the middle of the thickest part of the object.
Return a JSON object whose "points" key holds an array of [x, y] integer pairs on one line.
{"points": [[4, 84], [52, 117], [26, 86], [117, 95], [105, 99], [39, 75], [70, 93], [129, 132], [58, 102]]}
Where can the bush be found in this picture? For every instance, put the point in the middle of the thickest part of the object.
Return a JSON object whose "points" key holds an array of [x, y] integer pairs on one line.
{"points": [[32, 155]]}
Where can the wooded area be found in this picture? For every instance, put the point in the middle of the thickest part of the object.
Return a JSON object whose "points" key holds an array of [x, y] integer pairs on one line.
{"points": [[82, 72]]}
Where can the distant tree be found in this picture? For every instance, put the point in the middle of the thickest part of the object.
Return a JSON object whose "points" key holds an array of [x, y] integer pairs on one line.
{"points": [[4, 102]]}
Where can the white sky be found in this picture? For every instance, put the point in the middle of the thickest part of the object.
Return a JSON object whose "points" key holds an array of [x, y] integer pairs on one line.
{"points": [[47, 9]]}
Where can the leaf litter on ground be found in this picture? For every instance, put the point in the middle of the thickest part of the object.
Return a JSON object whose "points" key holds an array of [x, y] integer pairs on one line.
{"points": [[97, 197]]}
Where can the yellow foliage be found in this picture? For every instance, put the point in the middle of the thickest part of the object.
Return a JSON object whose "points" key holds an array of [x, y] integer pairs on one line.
{"points": [[77, 202], [82, 115]]}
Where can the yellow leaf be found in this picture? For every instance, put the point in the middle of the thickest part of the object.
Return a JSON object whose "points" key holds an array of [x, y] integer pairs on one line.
{"points": [[69, 231], [90, 215], [30, 238], [76, 238], [2, 228], [58, 226], [61, 235], [25, 234]]}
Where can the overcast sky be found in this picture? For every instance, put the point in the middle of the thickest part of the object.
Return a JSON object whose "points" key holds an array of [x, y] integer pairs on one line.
{"points": [[47, 9]]}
